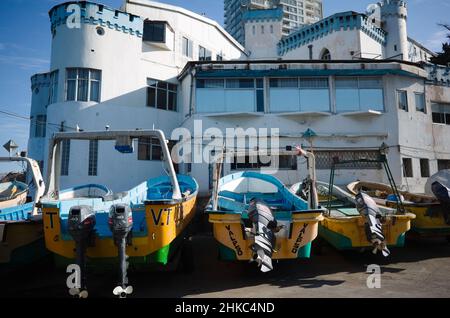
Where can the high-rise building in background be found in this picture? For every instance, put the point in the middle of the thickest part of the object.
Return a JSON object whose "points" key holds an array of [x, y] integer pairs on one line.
{"points": [[296, 14]]}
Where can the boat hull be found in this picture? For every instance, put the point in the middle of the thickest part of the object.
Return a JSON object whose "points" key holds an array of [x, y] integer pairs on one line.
{"points": [[235, 245], [164, 222], [429, 214], [22, 243], [349, 233]]}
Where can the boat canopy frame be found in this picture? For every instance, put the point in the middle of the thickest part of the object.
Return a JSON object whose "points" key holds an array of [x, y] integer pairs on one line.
{"points": [[383, 160], [313, 200], [36, 174], [54, 168]]}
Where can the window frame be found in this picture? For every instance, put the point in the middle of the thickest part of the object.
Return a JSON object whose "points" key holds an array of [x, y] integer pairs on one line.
{"points": [[424, 110], [402, 91], [406, 167], [93, 158], [152, 24], [40, 128], [90, 79], [169, 89]]}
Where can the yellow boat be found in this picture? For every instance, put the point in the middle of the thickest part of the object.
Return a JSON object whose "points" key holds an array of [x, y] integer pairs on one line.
{"points": [[148, 224], [431, 216], [241, 204], [21, 233]]}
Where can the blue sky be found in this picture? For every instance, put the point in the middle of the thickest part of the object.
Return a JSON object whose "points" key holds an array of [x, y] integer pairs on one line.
{"points": [[25, 45]]}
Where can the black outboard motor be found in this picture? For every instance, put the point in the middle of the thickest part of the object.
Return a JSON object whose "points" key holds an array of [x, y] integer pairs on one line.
{"points": [[369, 210], [81, 224], [265, 227], [442, 193], [121, 225]]}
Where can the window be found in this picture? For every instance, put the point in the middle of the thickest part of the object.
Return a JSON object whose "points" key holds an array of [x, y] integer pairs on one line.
{"points": [[407, 168], [295, 95], [271, 29], [229, 95], [420, 102], [149, 149], [402, 100], [285, 162], [161, 95], [93, 157], [53, 92], [41, 126], [443, 165], [359, 94], [262, 29], [441, 113], [425, 168], [204, 54], [254, 30], [154, 31], [83, 85], [187, 47], [65, 156]]}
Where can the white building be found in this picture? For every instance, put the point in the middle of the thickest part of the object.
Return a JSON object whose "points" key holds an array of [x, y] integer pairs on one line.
{"points": [[153, 65]]}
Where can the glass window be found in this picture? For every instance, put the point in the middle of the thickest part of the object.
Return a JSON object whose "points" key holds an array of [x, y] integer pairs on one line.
{"points": [[83, 85], [240, 83], [425, 168], [314, 94], [187, 47], [154, 31], [65, 157], [149, 149], [347, 94], [285, 162], [284, 82], [239, 100], [41, 126], [402, 100], [93, 157], [420, 102], [407, 168], [204, 54], [443, 165], [440, 113], [161, 95], [359, 94], [53, 93], [210, 83]]}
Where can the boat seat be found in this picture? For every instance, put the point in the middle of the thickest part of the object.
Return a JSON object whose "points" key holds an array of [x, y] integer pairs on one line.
{"points": [[114, 196]]}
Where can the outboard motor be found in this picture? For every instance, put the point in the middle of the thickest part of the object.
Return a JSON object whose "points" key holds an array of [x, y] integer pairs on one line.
{"points": [[442, 193], [368, 208], [81, 223], [265, 227], [121, 225]]}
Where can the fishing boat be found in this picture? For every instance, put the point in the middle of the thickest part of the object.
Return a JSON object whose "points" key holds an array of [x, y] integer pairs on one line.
{"points": [[356, 221], [432, 215], [12, 194], [256, 218], [21, 234], [89, 224]]}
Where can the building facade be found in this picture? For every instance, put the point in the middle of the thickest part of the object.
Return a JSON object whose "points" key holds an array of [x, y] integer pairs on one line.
{"points": [[332, 86], [295, 13]]}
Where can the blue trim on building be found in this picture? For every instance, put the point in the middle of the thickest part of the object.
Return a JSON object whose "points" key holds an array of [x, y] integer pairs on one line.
{"points": [[96, 14], [263, 15], [300, 72], [341, 21]]}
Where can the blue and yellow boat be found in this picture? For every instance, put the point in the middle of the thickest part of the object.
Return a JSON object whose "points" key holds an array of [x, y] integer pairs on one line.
{"points": [[256, 218], [147, 224]]}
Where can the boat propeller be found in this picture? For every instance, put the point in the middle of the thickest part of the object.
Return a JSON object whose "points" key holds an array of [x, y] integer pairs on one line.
{"points": [[374, 232], [81, 224], [121, 225]]}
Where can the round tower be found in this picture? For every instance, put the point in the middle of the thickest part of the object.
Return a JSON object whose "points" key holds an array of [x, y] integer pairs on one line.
{"points": [[394, 15]]}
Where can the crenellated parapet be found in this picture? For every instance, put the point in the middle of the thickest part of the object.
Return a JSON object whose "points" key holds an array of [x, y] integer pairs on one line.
{"points": [[337, 22], [97, 14], [40, 80], [397, 8]]}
